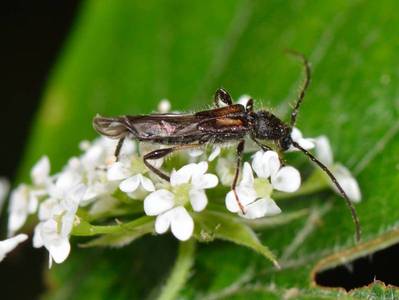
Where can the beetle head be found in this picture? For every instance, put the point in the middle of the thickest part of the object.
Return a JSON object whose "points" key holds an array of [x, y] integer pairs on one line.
{"points": [[268, 127]]}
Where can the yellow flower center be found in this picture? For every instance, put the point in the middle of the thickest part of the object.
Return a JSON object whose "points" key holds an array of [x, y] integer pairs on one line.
{"points": [[182, 194], [263, 187]]}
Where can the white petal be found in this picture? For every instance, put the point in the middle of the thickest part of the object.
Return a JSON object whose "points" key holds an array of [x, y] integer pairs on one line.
{"points": [[59, 251], [130, 184], [147, 184], [245, 194], [260, 208], [93, 156], [164, 106], [18, 208], [65, 182], [348, 183], [37, 237], [103, 204], [247, 177], [183, 175], [296, 134], [67, 223], [128, 148], [182, 224], [323, 150], [195, 152], [215, 153], [40, 171], [10, 244], [287, 179], [265, 164], [200, 168], [225, 171], [162, 222], [198, 199], [205, 181], [47, 208], [84, 145], [74, 197], [33, 203], [117, 171], [15, 222], [307, 143], [157, 202]]}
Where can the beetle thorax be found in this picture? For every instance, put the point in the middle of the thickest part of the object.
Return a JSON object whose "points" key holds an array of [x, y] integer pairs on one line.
{"points": [[268, 127]]}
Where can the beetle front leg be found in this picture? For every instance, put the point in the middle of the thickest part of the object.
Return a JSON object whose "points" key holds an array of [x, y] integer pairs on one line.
{"points": [[262, 146], [268, 148], [118, 148], [223, 96], [240, 151]]}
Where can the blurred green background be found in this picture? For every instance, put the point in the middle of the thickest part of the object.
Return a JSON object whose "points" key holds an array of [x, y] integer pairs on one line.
{"points": [[122, 57]]}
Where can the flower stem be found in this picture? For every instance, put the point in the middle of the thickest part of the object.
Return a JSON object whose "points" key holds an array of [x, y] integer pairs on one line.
{"points": [[180, 272]]}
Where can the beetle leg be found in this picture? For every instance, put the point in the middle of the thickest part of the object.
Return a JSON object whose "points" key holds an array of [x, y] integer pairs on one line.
{"points": [[262, 146], [223, 96], [118, 148], [160, 153], [268, 148], [240, 151]]}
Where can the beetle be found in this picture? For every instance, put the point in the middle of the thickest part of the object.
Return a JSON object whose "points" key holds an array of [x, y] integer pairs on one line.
{"points": [[230, 123]]}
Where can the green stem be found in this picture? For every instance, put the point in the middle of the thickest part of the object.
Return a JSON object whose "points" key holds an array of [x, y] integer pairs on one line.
{"points": [[86, 229], [180, 272]]}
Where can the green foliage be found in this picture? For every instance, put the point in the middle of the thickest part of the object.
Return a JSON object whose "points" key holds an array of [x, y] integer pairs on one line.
{"points": [[124, 56]]}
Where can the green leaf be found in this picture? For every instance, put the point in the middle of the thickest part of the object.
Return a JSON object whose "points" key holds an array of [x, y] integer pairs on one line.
{"points": [[376, 290], [210, 224], [123, 56]]}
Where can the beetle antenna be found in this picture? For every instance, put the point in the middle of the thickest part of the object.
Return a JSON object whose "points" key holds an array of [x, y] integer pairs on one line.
{"points": [[340, 189], [305, 86]]}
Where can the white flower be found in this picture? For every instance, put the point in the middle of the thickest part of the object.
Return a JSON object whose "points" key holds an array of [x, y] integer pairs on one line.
{"points": [[21, 204], [101, 152], [54, 235], [255, 193], [267, 164], [306, 143], [93, 163], [130, 173], [341, 173], [57, 217], [187, 185], [10, 244], [4, 189], [24, 199]]}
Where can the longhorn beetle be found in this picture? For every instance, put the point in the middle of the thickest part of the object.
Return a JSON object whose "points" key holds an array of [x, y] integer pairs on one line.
{"points": [[231, 123]]}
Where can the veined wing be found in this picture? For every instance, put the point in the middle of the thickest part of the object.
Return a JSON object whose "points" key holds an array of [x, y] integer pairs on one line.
{"points": [[158, 126]]}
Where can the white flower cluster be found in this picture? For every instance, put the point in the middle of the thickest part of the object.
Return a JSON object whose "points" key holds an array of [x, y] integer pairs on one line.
{"points": [[91, 182]]}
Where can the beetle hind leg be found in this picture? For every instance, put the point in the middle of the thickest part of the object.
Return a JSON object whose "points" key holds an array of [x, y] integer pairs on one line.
{"points": [[240, 151], [160, 153]]}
